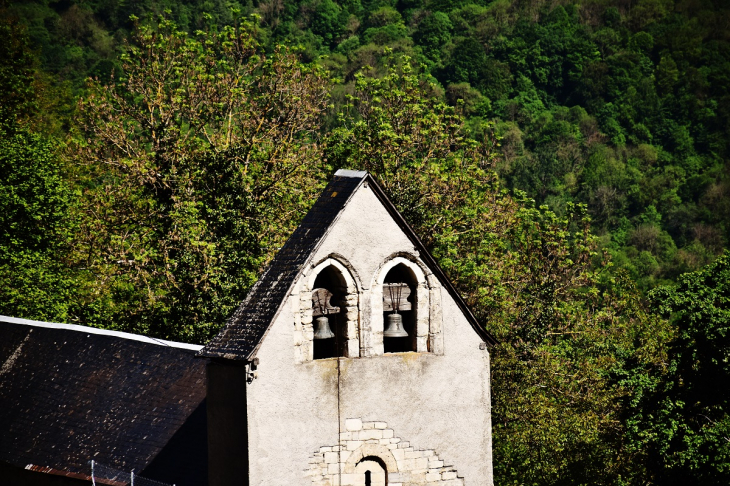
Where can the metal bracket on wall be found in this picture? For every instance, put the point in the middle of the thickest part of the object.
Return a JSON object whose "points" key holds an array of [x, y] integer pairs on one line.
{"points": [[251, 373]]}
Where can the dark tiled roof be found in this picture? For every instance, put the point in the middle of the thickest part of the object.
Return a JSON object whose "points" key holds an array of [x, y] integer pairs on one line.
{"points": [[248, 325], [70, 394], [245, 330]]}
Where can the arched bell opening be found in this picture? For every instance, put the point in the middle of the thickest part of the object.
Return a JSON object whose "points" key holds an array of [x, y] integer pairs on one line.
{"points": [[399, 310], [328, 315]]}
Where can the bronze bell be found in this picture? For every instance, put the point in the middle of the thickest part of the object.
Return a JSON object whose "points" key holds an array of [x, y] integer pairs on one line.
{"points": [[395, 326], [323, 330]]}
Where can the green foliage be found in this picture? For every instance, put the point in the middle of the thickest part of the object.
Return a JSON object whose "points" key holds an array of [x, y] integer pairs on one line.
{"points": [[197, 163], [35, 200], [17, 93], [36, 226], [433, 33], [564, 338], [650, 78], [201, 143], [327, 21], [467, 64], [683, 421]]}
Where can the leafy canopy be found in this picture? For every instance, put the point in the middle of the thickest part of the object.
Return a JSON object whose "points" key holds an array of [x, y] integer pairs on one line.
{"points": [[684, 420], [524, 269], [196, 163]]}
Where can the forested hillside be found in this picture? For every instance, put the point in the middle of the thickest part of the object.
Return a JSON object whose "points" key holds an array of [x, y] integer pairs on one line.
{"points": [[623, 106], [567, 163]]}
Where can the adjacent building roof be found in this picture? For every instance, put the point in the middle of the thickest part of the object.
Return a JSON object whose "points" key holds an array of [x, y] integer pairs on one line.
{"points": [[70, 394], [244, 331]]}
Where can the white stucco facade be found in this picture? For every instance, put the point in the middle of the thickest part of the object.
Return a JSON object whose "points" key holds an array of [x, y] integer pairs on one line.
{"points": [[420, 417]]}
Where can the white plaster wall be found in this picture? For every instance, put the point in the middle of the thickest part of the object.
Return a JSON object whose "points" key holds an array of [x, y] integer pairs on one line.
{"points": [[434, 402], [290, 407], [365, 235]]}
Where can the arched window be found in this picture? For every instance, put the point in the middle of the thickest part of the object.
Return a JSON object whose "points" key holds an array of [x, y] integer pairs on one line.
{"points": [[404, 286], [326, 319], [399, 310], [371, 471], [328, 300]]}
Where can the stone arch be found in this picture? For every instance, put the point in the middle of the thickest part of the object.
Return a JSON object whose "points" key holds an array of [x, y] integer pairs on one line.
{"points": [[342, 265], [377, 451], [349, 308], [410, 261], [428, 336], [365, 441]]}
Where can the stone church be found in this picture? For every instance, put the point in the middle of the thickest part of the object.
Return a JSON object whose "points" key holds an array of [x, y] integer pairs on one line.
{"points": [[353, 360]]}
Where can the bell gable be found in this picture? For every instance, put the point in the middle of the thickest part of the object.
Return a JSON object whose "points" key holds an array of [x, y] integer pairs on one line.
{"points": [[352, 220]]}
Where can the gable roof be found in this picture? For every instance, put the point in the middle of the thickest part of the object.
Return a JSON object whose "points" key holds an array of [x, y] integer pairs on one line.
{"points": [[244, 331], [70, 394]]}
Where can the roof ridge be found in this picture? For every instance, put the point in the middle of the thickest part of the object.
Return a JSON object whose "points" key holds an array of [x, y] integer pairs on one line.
{"points": [[358, 174], [96, 330]]}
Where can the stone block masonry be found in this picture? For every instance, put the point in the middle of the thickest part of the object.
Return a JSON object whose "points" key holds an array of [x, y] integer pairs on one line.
{"points": [[374, 443]]}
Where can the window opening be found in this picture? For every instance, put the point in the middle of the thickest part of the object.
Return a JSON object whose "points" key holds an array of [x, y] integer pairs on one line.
{"points": [[328, 297], [399, 310], [373, 470]]}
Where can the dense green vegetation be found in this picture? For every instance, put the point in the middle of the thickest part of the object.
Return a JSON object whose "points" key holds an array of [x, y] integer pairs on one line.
{"points": [[686, 438], [622, 106], [566, 162]]}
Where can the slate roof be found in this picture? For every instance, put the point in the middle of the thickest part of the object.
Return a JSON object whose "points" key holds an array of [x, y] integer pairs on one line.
{"points": [[70, 394], [245, 330], [248, 325]]}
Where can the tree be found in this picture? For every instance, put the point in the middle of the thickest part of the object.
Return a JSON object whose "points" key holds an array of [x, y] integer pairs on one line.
{"points": [[35, 200], [683, 421], [467, 64], [197, 162], [17, 94], [35, 229], [432, 33], [527, 273]]}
